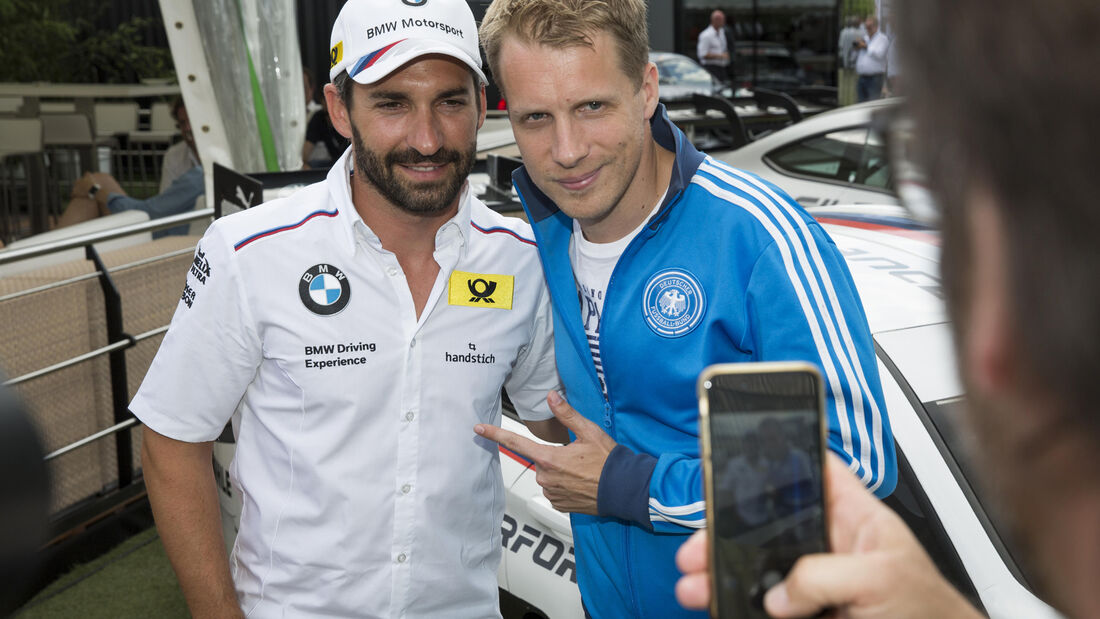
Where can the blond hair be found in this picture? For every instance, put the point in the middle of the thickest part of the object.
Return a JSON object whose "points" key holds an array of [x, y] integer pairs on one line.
{"points": [[569, 23]]}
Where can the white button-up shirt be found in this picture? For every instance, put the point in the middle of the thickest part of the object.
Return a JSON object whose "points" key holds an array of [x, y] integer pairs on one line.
{"points": [[872, 59], [712, 41], [366, 492]]}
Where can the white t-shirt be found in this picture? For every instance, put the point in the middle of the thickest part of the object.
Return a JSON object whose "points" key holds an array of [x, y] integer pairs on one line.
{"points": [[593, 264]]}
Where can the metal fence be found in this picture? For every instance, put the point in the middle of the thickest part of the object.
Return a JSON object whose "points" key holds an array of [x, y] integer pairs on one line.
{"points": [[82, 439]]}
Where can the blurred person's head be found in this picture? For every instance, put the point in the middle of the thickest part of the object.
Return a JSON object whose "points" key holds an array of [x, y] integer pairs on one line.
{"points": [[1005, 98], [718, 19], [871, 24]]}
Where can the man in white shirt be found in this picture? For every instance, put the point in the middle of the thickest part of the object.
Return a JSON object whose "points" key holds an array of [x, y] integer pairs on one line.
{"points": [[713, 49], [355, 332], [871, 62]]}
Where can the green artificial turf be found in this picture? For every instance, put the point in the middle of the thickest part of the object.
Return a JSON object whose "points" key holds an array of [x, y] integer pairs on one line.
{"points": [[132, 580]]}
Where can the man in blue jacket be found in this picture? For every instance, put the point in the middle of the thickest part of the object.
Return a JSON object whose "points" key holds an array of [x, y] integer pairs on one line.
{"points": [[660, 261]]}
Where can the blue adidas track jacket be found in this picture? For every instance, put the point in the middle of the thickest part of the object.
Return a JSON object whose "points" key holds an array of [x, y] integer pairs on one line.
{"points": [[753, 278]]}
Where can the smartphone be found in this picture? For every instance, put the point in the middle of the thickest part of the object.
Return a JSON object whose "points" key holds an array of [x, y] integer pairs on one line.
{"points": [[762, 434]]}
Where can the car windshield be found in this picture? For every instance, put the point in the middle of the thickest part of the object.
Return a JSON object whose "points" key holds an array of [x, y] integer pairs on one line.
{"points": [[677, 70]]}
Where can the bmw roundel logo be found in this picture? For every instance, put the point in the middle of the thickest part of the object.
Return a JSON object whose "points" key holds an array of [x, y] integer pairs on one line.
{"points": [[673, 302], [415, 2], [324, 289]]}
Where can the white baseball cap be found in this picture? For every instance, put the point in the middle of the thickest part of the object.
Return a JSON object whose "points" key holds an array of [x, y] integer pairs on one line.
{"points": [[373, 38]]}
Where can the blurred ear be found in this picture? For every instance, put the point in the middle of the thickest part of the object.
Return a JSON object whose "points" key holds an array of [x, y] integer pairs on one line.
{"points": [[481, 112], [337, 111], [989, 345], [650, 89]]}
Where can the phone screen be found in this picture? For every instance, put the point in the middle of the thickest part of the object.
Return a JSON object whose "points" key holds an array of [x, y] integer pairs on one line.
{"points": [[765, 433]]}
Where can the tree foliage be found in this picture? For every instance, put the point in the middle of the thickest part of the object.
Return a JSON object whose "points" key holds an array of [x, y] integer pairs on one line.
{"points": [[60, 41]]}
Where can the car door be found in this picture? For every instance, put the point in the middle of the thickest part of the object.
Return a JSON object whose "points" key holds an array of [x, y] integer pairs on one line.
{"points": [[537, 566]]}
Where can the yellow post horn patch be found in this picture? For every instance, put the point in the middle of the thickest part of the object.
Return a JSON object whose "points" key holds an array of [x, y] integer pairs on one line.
{"points": [[480, 290], [336, 54]]}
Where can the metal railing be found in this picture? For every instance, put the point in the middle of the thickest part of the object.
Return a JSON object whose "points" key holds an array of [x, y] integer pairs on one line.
{"points": [[118, 340], [48, 247]]}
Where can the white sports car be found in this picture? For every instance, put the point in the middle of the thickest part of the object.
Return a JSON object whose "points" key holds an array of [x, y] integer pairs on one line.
{"points": [[828, 159], [894, 262]]}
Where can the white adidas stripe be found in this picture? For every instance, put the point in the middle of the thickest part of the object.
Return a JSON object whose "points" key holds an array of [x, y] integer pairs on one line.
{"points": [[679, 510], [692, 524]]}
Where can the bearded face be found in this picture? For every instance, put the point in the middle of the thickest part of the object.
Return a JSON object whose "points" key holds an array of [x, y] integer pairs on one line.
{"points": [[383, 171]]}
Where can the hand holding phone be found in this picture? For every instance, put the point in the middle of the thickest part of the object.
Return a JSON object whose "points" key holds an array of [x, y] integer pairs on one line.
{"points": [[762, 431]]}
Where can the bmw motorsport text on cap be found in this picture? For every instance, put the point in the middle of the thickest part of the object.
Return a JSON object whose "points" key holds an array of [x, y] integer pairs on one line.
{"points": [[373, 38]]}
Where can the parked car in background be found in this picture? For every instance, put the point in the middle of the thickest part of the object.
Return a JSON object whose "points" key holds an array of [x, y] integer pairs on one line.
{"points": [[832, 158], [679, 77]]}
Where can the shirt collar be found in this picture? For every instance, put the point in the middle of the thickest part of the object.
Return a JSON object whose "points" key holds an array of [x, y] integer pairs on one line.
{"points": [[339, 183]]}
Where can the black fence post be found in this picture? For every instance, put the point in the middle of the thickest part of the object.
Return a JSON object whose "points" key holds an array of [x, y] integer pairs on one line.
{"points": [[120, 390]]}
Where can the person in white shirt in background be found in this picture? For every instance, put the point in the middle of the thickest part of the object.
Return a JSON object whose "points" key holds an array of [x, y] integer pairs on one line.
{"points": [[871, 62], [713, 48]]}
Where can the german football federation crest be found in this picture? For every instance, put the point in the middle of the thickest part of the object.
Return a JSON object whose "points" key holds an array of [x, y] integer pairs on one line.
{"points": [[673, 303], [324, 289]]}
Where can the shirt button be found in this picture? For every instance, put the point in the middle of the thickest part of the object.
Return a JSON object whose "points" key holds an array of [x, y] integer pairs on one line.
{"points": [[412, 344], [392, 271], [409, 416], [401, 558], [406, 489]]}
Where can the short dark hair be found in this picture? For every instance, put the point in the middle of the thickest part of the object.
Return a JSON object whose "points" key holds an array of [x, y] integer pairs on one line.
{"points": [[344, 86], [1010, 106]]}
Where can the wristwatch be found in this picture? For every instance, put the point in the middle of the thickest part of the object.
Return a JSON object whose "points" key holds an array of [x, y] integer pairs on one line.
{"points": [[94, 190]]}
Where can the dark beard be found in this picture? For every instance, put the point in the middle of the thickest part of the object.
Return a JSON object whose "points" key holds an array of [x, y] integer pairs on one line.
{"points": [[419, 199]]}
